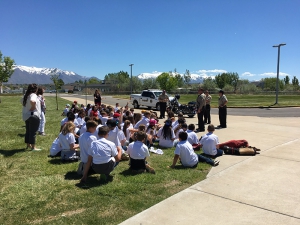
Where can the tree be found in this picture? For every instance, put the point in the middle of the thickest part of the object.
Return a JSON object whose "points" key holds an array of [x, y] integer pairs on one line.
{"points": [[179, 80], [58, 83], [93, 80], [227, 78], [119, 81], [209, 84], [187, 77], [270, 84], [166, 82], [295, 83], [286, 80], [149, 84], [6, 69]]}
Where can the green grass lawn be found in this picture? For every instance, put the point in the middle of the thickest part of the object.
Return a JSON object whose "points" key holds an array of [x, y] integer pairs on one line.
{"points": [[36, 189], [238, 100]]}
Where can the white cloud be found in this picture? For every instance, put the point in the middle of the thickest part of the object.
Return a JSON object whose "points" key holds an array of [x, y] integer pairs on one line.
{"points": [[271, 74], [248, 74], [211, 71]]}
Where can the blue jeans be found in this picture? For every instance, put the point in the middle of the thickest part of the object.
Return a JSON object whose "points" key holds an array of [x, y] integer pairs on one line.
{"points": [[219, 153], [202, 158]]}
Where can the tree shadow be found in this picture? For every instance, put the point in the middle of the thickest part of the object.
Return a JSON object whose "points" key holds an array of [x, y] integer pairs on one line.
{"points": [[11, 152]]}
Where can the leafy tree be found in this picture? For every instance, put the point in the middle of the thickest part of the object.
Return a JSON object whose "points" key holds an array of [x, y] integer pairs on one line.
{"points": [[93, 80], [6, 69], [295, 83], [58, 83], [119, 81], [166, 82], [286, 80], [187, 77], [227, 78], [209, 84], [149, 84], [270, 84], [179, 79]]}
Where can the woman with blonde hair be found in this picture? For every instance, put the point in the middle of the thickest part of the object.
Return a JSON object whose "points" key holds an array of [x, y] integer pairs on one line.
{"points": [[67, 143]]}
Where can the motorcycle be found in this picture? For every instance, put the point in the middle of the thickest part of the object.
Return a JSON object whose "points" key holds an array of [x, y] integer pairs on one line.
{"points": [[186, 109]]}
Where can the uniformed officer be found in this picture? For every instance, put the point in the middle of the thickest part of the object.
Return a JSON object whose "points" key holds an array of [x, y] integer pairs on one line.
{"points": [[208, 99], [200, 102], [222, 109], [163, 99]]}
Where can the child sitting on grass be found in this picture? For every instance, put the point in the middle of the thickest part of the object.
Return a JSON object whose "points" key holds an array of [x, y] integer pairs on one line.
{"points": [[210, 143], [188, 157], [138, 152], [103, 155]]}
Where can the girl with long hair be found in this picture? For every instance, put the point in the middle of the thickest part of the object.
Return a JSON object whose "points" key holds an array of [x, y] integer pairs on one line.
{"points": [[166, 135], [67, 141], [41, 129], [97, 97], [31, 115]]}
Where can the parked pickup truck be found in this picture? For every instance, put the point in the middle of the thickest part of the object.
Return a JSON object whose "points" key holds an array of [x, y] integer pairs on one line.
{"points": [[148, 98]]}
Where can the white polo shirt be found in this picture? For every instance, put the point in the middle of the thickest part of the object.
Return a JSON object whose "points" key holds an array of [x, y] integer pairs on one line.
{"points": [[186, 153], [138, 150], [209, 142], [102, 151]]}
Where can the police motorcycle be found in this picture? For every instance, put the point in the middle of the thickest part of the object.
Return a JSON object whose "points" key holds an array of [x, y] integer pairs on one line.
{"points": [[186, 109]]}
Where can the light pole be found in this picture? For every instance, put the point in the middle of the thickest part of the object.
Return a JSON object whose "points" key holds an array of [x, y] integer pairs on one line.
{"points": [[278, 59], [130, 78], [85, 93]]}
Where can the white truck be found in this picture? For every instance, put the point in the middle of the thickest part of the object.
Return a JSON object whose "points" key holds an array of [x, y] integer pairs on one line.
{"points": [[148, 98]]}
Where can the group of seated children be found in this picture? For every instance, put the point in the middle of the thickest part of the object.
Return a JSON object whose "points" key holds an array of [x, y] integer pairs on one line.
{"points": [[110, 134]]}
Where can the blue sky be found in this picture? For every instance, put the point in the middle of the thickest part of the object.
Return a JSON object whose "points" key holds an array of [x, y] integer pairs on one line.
{"points": [[96, 37]]}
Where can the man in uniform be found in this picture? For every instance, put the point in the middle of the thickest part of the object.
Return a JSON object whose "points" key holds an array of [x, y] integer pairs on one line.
{"points": [[163, 99], [207, 108], [200, 102], [222, 109]]}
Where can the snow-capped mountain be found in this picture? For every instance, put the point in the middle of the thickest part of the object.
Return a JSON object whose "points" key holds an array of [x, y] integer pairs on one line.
{"points": [[195, 78], [26, 75]]}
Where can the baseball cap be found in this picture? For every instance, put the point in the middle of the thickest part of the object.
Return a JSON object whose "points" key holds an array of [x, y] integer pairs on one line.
{"points": [[116, 115], [68, 105], [152, 122]]}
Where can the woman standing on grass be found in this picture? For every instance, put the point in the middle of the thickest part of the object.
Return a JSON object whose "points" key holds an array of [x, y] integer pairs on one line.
{"points": [[31, 115], [41, 98]]}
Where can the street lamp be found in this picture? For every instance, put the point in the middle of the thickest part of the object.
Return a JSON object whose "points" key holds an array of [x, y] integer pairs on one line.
{"points": [[278, 59], [130, 78], [85, 93]]}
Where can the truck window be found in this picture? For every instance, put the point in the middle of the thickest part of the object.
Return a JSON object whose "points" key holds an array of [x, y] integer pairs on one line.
{"points": [[146, 94], [157, 93]]}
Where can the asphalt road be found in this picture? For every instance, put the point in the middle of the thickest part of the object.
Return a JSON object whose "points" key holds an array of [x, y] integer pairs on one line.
{"points": [[260, 112]]}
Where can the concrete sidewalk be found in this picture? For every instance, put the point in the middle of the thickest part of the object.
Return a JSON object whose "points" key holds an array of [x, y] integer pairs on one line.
{"points": [[261, 189]]}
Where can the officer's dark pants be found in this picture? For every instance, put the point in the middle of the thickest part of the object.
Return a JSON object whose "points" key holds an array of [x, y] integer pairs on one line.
{"points": [[200, 120], [222, 116], [207, 114], [163, 107]]}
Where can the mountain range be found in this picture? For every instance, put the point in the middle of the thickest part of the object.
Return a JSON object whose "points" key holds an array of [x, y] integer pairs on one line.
{"points": [[27, 75]]}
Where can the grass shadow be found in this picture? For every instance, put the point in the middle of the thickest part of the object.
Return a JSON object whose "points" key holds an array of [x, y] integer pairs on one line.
{"points": [[93, 182], [21, 135], [8, 153], [129, 172], [55, 161], [72, 175]]}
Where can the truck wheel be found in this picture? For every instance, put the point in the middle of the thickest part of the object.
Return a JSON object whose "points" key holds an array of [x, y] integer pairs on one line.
{"points": [[135, 105], [149, 107], [158, 106]]}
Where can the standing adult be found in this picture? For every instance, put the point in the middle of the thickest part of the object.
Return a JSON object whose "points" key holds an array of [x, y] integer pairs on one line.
{"points": [[41, 98], [97, 98], [163, 99], [222, 109], [200, 102], [207, 107], [31, 115]]}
